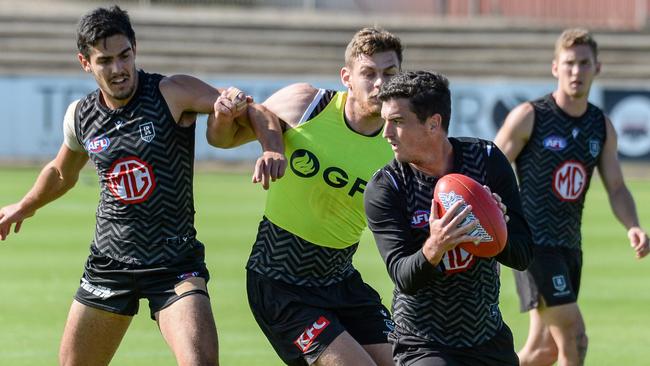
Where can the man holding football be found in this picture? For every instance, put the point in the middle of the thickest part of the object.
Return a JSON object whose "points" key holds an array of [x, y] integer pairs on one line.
{"points": [[445, 304], [556, 142]]}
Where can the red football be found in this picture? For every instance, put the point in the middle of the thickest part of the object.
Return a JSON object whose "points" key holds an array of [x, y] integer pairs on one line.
{"points": [[492, 225]]}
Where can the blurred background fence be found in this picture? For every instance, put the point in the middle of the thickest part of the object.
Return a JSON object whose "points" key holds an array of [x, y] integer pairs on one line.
{"points": [[497, 53]]}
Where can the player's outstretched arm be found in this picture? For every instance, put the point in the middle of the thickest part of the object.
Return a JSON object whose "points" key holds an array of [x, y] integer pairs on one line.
{"points": [[237, 120], [56, 178], [515, 132], [620, 198]]}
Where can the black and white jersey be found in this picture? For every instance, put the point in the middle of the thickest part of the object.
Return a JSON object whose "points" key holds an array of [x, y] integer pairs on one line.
{"points": [[555, 169], [144, 161], [456, 303]]}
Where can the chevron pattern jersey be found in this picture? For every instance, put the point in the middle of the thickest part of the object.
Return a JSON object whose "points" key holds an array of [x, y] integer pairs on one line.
{"points": [[555, 169], [459, 308], [144, 161], [283, 256]]}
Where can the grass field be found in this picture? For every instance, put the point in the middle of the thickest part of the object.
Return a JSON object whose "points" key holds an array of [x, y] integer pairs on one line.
{"points": [[41, 266]]}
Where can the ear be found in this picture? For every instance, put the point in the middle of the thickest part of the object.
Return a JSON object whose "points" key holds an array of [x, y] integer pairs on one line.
{"points": [[434, 121], [554, 68], [85, 64], [598, 66], [345, 77]]}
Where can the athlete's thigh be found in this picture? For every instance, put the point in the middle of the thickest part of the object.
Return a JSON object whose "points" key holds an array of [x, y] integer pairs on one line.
{"points": [[188, 327], [91, 336], [344, 350]]}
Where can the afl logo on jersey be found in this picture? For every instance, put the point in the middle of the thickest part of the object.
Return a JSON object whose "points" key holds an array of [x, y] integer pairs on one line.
{"points": [[554, 143], [570, 180], [98, 144], [131, 180], [420, 219]]}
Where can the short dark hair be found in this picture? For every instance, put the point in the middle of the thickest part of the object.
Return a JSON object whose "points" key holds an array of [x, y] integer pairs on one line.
{"points": [[427, 92], [371, 40], [102, 23]]}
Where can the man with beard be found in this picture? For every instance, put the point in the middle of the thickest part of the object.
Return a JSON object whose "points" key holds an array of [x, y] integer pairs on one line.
{"points": [[309, 300], [138, 130]]}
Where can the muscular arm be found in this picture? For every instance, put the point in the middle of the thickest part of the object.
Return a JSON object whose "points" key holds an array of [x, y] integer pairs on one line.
{"points": [[56, 178], [516, 130], [620, 198], [518, 252], [290, 103], [186, 95], [407, 266]]}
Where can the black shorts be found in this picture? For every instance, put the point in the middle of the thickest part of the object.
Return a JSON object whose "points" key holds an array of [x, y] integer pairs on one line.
{"points": [[554, 275], [117, 287], [498, 351], [300, 321]]}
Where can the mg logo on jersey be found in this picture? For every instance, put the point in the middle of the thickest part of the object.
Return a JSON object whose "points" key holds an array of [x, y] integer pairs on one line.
{"points": [[420, 219], [131, 180], [457, 260], [98, 144], [570, 180], [309, 335]]}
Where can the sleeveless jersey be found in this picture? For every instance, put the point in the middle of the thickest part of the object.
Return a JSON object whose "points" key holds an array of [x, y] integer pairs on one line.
{"points": [[555, 169], [460, 308], [144, 161], [314, 214]]}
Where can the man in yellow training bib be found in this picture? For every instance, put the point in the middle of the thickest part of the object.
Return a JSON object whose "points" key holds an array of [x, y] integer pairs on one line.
{"points": [[304, 292]]}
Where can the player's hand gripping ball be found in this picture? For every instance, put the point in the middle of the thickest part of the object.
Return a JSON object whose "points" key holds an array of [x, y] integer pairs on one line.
{"points": [[491, 228]]}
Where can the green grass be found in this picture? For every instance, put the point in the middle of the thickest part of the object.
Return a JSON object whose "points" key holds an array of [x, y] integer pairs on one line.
{"points": [[40, 269]]}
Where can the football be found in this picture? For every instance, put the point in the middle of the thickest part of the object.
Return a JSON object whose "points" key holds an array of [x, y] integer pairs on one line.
{"points": [[491, 223]]}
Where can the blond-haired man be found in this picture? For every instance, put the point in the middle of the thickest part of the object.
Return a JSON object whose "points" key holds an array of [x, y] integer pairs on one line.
{"points": [[556, 142]]}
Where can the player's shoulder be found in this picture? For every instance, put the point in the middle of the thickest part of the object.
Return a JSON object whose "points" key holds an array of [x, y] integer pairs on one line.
{"points": [[388, 175], [522, 112], [297, 92], [291, 102]]}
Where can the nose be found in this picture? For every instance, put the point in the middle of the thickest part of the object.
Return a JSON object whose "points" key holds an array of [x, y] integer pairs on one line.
{"points": [[381, 79], [388, 130]]}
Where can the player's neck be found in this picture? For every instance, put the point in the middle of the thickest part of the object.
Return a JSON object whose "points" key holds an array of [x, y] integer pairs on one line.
{"points": [[573, 106], [367, 125], [437, 162]]}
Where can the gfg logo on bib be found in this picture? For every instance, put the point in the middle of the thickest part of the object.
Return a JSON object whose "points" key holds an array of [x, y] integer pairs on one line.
{"points": [[304, 164], [131, 180]]}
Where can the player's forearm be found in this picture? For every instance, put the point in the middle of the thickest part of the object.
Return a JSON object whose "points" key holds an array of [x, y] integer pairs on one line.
{"points": [[50, 185], [221, 131], [623, 207], [412, 273], [267, 128]]}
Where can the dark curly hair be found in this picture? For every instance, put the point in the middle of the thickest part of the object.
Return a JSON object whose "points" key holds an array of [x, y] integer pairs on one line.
{"points": [[102, 23], [428, 93]]}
